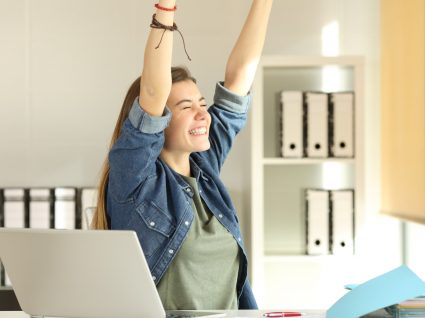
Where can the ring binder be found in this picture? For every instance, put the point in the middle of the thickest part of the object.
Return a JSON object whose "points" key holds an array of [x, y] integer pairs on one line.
{"points": [[65, 208], [292, 124], [341, 124], [40, 208], [342, 224], [316, 118], [317, 218]]}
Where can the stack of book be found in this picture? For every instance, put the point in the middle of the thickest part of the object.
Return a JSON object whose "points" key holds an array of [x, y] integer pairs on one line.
{"points": [[410, 308]]}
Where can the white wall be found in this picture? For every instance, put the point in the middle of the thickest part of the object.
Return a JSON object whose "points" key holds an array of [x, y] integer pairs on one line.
{"points": [[415, 242], [65, 66]]}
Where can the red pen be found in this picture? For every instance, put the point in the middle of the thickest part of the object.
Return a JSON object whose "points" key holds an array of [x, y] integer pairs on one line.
{"points": [[283, 314]]}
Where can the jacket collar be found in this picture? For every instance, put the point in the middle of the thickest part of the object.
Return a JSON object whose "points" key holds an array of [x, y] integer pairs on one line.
{"points": [[196, 173]]}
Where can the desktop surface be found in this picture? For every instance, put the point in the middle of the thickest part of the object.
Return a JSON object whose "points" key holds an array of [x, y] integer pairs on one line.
{"points": [[229, 313]]}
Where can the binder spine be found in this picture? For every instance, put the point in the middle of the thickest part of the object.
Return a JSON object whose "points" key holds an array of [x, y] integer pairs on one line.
{"points": [[317, 221], [305, 125], [342, 221], [52, 208], [26, 208], [281, 136], [306, 219], [79, 209], [331, 127], [40, 208], [343, 124], [307, 216], [65, 212]]}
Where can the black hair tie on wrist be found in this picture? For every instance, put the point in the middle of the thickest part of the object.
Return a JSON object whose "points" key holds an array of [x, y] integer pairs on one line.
{"points": [[157, 25]]}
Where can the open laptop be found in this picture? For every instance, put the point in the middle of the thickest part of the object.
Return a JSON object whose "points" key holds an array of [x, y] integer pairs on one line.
{"points": [[75, 273]]}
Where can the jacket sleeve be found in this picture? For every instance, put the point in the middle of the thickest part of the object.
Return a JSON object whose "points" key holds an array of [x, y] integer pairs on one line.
{"points": [[133, 156], [247, 299], [228, 117]]}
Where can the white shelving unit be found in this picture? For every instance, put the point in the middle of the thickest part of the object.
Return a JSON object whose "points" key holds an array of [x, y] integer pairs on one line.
{"points": [[282, 275]]}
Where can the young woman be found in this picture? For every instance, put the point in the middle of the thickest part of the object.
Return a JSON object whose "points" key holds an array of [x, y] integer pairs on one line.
{"points": [[161, 178]]}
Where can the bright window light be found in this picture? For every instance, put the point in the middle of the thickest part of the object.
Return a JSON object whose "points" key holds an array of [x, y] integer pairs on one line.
{"points": [[333, 176], [330, 39], [331, 76]]}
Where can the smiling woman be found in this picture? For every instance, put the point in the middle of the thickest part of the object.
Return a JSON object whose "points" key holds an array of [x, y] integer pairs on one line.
{"points": [[162, 176], [188, 128]]}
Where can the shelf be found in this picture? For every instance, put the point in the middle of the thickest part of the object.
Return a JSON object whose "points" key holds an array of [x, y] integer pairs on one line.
{"points": [[305, 161], [306, 258], [278, 219]]}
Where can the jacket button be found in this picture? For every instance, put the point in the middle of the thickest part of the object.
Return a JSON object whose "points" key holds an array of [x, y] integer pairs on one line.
{"points": [[152, 223], [171, 251], [220, 215], [186, 223]]}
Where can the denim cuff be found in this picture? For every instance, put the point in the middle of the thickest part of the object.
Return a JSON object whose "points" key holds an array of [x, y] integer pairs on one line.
{"points": [[231, 101], [146, 123]]}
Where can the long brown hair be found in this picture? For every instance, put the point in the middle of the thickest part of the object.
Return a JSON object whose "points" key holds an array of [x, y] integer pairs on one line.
{"points": [[100, 222]]}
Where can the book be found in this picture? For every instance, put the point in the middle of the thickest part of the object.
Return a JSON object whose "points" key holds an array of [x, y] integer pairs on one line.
{"points": [[414, 307]]}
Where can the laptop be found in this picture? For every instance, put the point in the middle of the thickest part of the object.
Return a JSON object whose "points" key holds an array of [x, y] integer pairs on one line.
{"points": [[77, 273]]}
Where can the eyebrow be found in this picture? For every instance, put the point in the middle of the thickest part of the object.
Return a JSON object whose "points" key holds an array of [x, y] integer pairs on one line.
{"points": [[188, 100]]}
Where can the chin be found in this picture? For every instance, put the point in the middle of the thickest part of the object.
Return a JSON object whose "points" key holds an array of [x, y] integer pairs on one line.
{"points": [[203, 147]]}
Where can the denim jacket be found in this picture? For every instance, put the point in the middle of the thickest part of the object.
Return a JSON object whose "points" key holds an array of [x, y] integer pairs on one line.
{"points": [[145, 195]]}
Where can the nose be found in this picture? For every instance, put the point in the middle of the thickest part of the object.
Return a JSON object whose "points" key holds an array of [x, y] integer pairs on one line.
{"points": [[201, 113]]}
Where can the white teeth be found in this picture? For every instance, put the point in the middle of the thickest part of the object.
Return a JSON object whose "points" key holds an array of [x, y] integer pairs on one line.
{"points": [[198, 131]]}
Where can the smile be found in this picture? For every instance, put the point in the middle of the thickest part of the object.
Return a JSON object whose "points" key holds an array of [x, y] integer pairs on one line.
{"points": [[198, 131]]}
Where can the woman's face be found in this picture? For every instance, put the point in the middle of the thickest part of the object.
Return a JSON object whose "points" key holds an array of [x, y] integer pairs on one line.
{"points": [[190, 123]]}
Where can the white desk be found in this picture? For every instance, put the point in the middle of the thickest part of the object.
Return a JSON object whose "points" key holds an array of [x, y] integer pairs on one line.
{"points": [[233, 313]]}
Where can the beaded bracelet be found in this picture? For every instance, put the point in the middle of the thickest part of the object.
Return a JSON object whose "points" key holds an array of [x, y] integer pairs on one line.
{"points": [[159, 7]]}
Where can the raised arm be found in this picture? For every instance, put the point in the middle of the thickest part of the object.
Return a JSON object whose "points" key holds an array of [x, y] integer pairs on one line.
{"points": [[246, 53], [155, 84]]}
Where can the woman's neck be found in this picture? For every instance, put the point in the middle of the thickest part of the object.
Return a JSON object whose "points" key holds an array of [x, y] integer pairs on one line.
{"points": [[180, 162]]}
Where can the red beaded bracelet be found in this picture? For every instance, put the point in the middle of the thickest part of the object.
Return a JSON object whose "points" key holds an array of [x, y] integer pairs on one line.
{"points": [[157, 5]]}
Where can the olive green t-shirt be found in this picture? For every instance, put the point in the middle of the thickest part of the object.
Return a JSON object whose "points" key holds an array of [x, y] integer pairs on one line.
{"points": [[204, 273]]}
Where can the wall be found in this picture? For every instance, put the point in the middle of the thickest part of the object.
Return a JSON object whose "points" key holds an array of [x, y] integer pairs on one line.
{"points": [[65, 67]]}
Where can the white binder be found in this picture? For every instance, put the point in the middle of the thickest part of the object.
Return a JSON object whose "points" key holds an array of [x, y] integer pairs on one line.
{"points": [[292, 124], [342, 228], [65, 208], [88, 200], [316, 108], [317, 217], [14, 208], [342, 109], [40, 203], [13, 213]]}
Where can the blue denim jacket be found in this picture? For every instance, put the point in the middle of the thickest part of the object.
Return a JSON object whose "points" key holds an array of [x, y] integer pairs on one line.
{"points": [[145, 195]]}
